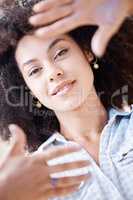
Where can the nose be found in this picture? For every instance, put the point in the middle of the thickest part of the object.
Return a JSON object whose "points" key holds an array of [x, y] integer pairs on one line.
{"points": [[55, 73]]}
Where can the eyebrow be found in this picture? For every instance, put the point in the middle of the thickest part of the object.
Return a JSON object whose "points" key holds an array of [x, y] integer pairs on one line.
{"points": [[49, 48], [55, 42]]}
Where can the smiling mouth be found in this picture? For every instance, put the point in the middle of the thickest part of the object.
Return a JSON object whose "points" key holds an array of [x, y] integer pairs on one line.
{"points": [[65, 89]]}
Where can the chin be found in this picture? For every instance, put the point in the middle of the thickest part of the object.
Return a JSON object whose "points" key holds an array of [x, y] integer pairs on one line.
{"points": [[70, 103], [67, 106]]}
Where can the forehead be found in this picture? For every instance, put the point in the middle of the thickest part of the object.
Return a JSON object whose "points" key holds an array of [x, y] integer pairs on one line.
{"points": [[30, 41], [30, 45]]}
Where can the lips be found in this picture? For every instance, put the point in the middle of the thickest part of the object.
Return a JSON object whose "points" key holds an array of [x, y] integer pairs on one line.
{"points": [[61, 86]]}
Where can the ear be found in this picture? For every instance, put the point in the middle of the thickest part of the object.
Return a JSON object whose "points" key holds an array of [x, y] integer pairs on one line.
{"points": [[89, 56]]}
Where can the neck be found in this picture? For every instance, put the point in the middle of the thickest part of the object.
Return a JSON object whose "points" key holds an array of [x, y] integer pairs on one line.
{"points": [[84, 123]]}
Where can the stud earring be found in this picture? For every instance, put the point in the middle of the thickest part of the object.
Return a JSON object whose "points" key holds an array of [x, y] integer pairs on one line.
{"points": [[38, 104], [35, 101]]}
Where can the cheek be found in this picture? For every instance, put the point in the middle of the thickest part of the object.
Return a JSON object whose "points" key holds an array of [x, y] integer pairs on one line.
{"points": [[88, 76], [82, 70], [85, 81], [36, 88]]}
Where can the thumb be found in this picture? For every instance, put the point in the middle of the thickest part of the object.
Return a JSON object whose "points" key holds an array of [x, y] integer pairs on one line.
{"points": [[17, 147], [18, 141], [101, 39]]}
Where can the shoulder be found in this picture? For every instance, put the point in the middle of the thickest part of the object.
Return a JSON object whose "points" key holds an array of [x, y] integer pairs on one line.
{"points": [[121, 130], [126, 114], [123, 120]]}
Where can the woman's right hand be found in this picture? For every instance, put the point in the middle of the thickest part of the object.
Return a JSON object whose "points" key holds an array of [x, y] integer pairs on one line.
{"points": [[28, 177]]}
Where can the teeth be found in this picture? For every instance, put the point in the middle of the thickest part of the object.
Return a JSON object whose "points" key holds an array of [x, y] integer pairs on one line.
{"points": [[60, 90], [66, 86], [63, 90]]}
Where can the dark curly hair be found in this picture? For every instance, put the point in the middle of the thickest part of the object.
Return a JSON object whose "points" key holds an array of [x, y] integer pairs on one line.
{"points": [[113, 80]]}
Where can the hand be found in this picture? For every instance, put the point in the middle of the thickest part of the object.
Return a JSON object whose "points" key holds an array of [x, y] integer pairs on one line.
{"points": [[28, 177], [60, 16]]}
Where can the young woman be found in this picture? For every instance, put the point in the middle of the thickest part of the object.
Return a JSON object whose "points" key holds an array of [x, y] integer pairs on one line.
{"points": [[84, 104]]}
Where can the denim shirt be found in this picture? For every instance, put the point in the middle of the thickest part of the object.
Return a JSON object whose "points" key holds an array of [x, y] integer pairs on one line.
{"points": [[113, 178]]}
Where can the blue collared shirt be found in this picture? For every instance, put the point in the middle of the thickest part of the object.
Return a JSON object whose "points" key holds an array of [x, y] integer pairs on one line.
{"points": [[113, 178]]}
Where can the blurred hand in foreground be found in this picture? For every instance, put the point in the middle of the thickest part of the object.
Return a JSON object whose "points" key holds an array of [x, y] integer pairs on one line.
{"points": [[28, 177]]}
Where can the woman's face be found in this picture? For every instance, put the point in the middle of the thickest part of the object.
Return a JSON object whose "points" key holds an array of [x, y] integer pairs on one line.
{"points": [[55, 70]]}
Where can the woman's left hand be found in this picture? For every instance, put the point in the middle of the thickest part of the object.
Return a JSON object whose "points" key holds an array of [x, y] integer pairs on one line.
{"points": [[55, 17]]}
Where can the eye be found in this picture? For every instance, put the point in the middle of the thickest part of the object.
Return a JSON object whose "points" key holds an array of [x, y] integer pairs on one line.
{"points": [[35, 71], [60, 53]]}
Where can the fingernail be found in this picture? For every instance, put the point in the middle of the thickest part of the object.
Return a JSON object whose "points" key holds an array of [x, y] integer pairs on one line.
{"points": [[12, 128], [36, 8], [40, 33], [32, 20]]}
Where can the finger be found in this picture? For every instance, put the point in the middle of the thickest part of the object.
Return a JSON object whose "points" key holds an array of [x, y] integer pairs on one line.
{"points": [[101, 39], [55, 152], [18, 141], [46, 5], [68, 166], [61, 192], [50, 16], [69, 181], [62, 26], [66, 181], [5, 151]]}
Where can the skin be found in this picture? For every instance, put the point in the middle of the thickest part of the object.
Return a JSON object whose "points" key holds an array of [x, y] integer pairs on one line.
{"points": [[28, 177], [57, 17], [48, 67], [77, 107]]}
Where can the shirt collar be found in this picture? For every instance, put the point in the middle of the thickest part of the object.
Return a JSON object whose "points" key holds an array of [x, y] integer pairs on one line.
{"points": [[57, 137], [113, 112]]}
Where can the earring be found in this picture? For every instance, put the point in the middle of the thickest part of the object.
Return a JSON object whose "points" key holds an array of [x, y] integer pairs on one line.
{"points": [[35, 101], [95, 64], [38, 104]]}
